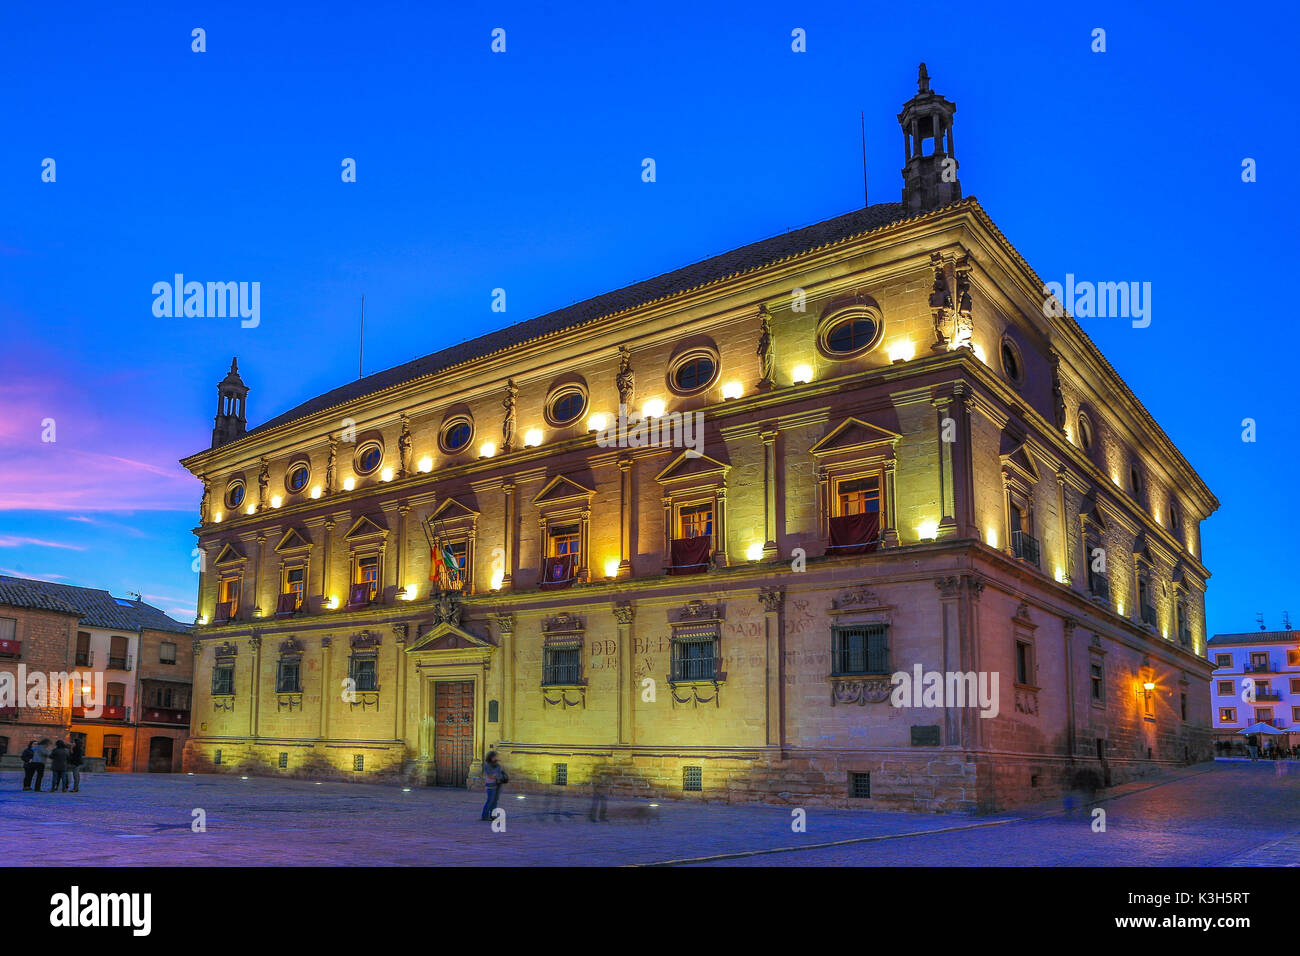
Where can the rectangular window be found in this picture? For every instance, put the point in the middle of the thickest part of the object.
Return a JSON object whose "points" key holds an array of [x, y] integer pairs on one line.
{"points": [[117, 654], [1225, 688], [167, 652], [83, 649], [1182, 704], [1295, 713], [695, 658], [288, 671], [857, 496], [284, 760], [1227, 715], [364, 673], [367, 572], [562, 664], [450, 565], [295, 583], [563, 539], [560, 774], [112, 749], [1293, 658], [115, 694], [227, 599], [216, 757], [358, 762], [693, 778], [223, 679], [696, 521], [863, 649], [1264, 715], [1024, 663], [1222, 660], [1258, 660], [1098, 682], [1295, 685], [860, 786]]}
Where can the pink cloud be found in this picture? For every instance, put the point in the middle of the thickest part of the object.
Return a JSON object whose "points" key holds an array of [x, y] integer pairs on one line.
{"points": [[32, 574], [13, 541]]}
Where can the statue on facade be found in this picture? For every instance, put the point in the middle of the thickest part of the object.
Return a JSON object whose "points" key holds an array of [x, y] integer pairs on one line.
{"points": [[404, 448], [766, 355], [964, 324], [508, 426], [626, 379], [1058, 396], [447, 610], [203, 502], [940, 302], [329, 464], [263, 480]]}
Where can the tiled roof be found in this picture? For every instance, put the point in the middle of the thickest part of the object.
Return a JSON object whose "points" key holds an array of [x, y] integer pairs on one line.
{"points": [[724, 266], [1257, 637], [97, 608], [15, 593]]}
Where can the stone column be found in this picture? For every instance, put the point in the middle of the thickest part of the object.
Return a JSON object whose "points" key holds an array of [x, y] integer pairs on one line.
{"points": [[1064, 524], [399, 717], [626, 504], [509, 534], [946, 426], [326, 687], [720, 526], [772, 600], [889, 508], [962, 462], [623, 614], [325, 564], [1068, 626], [254, 684], [770, 549], [257, 574], [584, 545], [402, 510], [506, 635]]}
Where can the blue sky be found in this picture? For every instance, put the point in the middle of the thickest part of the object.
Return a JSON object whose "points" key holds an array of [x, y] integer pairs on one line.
{"points": [[522, 171]]}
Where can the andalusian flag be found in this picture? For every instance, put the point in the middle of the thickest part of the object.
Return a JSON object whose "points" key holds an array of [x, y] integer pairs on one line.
{"points": [[446, 566]]}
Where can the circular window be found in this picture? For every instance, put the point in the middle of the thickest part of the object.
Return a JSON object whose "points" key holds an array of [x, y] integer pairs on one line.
{"points": [[1085, 432], [456, 434], [297, 477], [846, 333], [566, 405], [1011, 361], [693, 372], [369, 457], [235, 494]]}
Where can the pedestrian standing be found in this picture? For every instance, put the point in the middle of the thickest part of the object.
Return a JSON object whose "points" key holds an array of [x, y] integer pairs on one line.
{"points": [[39, 753], [494, 778], [74, 762], [29, 768], [59, 767]]}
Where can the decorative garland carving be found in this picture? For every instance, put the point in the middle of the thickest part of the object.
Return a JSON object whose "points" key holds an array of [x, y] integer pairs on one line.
{"points": [[223, 702], [288, 701], [860, 691], [861, 596], [623, 613], [563, 701], [695, 699]]}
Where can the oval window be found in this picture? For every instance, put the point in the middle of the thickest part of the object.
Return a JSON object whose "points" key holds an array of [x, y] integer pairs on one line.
{"points": [[298, 476], [1085, 433], [567, 406], [851, 335], [369, 458], [1010, 361], [235, 495], [694, 373], [456, 434]]}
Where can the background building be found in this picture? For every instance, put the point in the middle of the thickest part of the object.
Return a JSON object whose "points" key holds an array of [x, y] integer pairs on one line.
{"points": [[145, 658], [907, 462], [36, 630], [1270, 661]]}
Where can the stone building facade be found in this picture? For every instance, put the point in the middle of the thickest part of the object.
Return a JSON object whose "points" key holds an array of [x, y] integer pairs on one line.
{"points": [[857, 450]]}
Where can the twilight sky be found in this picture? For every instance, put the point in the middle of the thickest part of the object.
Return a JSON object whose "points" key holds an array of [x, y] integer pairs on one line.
{"points": [[478, 170]]}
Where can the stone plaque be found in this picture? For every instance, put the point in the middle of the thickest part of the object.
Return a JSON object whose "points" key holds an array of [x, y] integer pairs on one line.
{"points": [[925, 736], [492, 712]]}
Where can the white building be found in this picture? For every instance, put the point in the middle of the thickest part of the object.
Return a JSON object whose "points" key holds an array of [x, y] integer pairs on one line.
{"points": [[1256, 679]]}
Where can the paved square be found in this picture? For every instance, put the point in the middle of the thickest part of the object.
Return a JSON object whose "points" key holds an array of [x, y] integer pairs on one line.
{"points": [[1212, 814]]}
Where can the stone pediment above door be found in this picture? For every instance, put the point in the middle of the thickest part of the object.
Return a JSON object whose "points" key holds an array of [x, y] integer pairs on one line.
{"points": [[449, 637], [856, 437]]}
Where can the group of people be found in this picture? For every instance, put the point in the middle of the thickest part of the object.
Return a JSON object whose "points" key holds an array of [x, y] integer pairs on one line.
{"points": [[65, 764]]}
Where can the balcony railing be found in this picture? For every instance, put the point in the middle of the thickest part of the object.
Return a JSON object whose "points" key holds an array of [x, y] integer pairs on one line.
{"points": [[1266, 668], [1099, 586], [85, 659], [562, 674], [1268, 695], [1025, 547], [8, 713], [107, 712], [11, 648], [120, 663], [694, 668], [164, 715], [1148, 615]]}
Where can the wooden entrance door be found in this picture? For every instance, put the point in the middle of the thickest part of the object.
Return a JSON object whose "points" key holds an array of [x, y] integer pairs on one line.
{"points": [[453, 731]]}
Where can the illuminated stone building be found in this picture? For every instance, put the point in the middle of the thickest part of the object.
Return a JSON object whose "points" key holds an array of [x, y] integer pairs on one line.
{"points": [[905, 462]]}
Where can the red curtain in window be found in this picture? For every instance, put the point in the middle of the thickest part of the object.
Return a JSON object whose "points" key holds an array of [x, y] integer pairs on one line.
{"points": [[221, 613], [690, 555], [854, 534], [287, 604], [557, 571], [359, 595]]}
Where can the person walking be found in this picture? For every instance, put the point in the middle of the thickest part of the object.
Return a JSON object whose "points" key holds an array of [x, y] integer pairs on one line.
{"points": [[29, 768], [39, 753], [494, 777], [59, 767], [74, 762]]}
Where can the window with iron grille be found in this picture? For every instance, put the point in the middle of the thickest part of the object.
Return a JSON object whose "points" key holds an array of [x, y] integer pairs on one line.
{"points": [[223, 679], [363, 671], [560, 774], [358, 761], [112, 749], [287, 675], [1098, 683], [695, 657], [562, 663], [216, 757], [284, 760], [693, 778], [860, 649], [860, 786]]}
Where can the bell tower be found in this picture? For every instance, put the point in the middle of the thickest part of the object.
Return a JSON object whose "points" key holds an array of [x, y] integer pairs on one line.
{"points": [[232, 396], [930, 165]]}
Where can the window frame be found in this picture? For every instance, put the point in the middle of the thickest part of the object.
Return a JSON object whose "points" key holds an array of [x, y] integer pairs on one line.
{"points": [[687, 357], [838, 316], [445, 429], [288, 476], [876, 632], [228, 683]]}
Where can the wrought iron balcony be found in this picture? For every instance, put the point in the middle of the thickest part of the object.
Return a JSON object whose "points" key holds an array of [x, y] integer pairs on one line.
{"points": [[1269, 667], [1099, 586], [120, 663], [1025, 547], [11, 648], [1268, 695], [694, 668], [165, 715], [563, 675]]}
